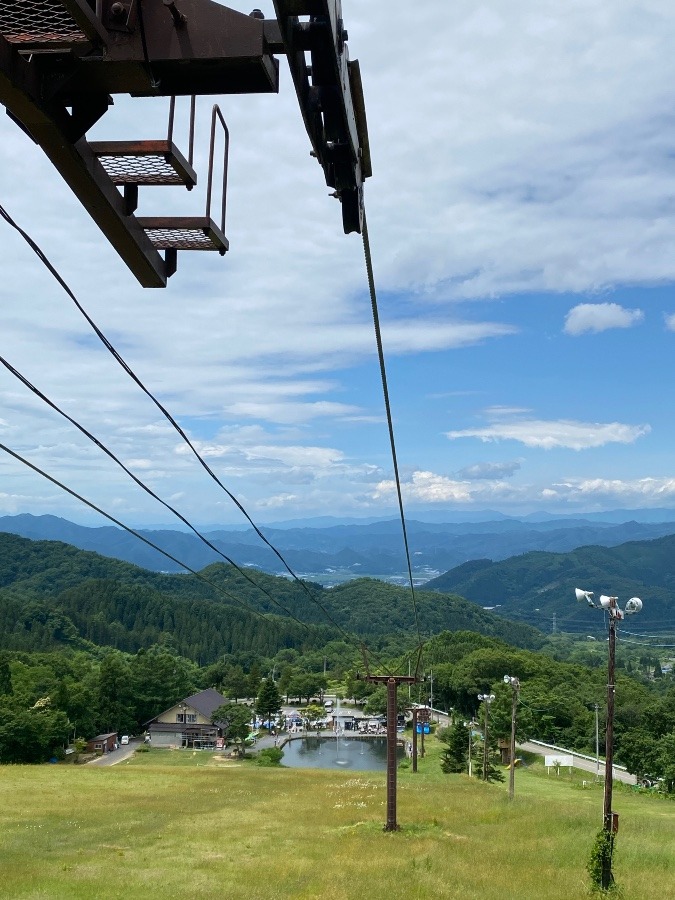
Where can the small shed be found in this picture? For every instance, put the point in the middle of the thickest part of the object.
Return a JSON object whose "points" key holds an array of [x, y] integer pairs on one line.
{"points": [[102, 743]]}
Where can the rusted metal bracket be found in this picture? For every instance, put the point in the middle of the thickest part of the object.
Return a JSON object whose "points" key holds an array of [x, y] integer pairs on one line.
{"points": [[52, 128], [330, 96]]}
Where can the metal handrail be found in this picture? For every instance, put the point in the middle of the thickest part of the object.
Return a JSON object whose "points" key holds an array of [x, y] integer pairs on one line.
{"points": [[172, 110], [217, 113]]}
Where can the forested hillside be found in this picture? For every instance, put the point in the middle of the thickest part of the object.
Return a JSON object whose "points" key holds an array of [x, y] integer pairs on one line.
{"points": [[546, 581], [53, 594]]}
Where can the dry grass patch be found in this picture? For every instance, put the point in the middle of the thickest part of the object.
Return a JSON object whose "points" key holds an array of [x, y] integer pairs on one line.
{"points": [[189, 831]]}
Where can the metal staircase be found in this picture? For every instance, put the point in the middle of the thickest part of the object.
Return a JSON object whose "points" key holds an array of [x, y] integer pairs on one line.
{"points": [[62, 61], [132, 164]]}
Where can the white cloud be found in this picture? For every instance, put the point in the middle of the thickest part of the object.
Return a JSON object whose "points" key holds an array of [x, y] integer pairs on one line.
{"points": [[670, 321], [596, 317], [520, 149], [561, 433], [612, 490], [427, 487], [489, 471]]}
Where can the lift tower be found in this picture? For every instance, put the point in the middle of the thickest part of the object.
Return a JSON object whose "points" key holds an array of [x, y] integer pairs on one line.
{"points": [[61, 62]]}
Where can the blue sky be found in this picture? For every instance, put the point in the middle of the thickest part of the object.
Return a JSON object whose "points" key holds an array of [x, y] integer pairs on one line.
{"points": [[522, 225]]}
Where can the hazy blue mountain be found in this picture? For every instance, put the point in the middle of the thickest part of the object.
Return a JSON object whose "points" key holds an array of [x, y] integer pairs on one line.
{"points": [[332, 554]]}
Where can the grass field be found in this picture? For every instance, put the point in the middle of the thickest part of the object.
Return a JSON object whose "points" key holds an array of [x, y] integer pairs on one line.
{"points": [[181, 825]]}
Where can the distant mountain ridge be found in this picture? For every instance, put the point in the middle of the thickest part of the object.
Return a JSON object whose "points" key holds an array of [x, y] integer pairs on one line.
{"points": [[373, 548], [534, 586]]}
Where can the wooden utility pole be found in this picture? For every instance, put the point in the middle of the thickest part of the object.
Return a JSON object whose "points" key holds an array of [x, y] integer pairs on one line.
{"points": [[607, 817], [414, 739], [392, 682]]}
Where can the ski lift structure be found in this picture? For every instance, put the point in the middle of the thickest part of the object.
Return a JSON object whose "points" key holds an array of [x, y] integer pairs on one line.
{"points": [[62, 61]]}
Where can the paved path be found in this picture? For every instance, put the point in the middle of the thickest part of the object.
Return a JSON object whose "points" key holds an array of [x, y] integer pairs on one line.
{"points": [[115, 756], [579, 762]]}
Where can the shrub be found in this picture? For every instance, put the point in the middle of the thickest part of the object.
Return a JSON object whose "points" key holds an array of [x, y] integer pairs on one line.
{"points": [[601, 859], [269, 757]]}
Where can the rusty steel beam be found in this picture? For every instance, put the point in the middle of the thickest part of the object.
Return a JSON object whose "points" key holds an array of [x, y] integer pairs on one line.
{"points": [[217, 51], [52, 128], [392, 682]]}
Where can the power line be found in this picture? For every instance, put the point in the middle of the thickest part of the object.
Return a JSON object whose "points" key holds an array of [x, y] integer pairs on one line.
{"points": [[114, 353], [390, 424], [10, 368], [136, 534]]}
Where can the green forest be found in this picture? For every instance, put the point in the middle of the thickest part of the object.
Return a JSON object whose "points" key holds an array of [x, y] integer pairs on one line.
{"points": [[91, 645]]}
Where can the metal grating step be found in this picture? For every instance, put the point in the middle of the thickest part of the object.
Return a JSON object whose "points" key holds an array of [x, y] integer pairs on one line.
{"points": [[185, 233], [43, 25], [144, 162]]}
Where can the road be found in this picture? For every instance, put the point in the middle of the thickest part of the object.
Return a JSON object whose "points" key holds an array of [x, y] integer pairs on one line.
{"points": [[115, 756], [579, 762]]}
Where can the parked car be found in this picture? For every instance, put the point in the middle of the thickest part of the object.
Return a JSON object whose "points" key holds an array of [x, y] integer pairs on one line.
{"points": [[124, 739]]}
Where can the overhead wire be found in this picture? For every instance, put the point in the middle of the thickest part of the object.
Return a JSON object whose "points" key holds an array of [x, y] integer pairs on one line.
{"points": [[124, 365], [10, 368], [136, 534], [390, 425]]}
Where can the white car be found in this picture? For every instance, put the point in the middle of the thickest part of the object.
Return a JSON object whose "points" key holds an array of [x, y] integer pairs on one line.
{"points": [[124, 739]]}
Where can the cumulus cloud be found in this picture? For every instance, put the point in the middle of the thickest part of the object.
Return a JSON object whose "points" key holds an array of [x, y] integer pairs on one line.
{"points": [[519, 149], [596, 317], [561, 433], [427, 487], [489, 471], [644, 491]]}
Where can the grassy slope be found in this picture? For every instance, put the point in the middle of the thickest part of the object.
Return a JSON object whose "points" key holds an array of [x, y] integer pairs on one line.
{"points": [[237, 830]]}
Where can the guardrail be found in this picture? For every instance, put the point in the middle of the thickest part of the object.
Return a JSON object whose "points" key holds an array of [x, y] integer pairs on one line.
{"points": [[574, 753]]}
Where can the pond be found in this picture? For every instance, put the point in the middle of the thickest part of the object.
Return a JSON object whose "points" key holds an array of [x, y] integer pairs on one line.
{"points": [[367, 754]]}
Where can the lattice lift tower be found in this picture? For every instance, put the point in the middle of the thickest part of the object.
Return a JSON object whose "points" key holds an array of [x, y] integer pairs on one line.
{"points": [[62, 60]]}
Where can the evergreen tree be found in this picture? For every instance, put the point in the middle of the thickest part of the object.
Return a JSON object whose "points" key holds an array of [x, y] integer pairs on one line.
{"points": [[253, 680], [5, 675], [454, 758], [236, 684], [268, 703], [115, 695]]}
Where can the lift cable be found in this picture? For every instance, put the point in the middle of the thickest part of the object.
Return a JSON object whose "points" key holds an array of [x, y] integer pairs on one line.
{"points": [[390, 426], [625, 640], [141, 484], [246, 606], [104, 340]]}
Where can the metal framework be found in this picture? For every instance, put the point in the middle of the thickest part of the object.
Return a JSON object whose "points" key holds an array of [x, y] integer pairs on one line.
{"points": [[392, 682], [62, 60]]}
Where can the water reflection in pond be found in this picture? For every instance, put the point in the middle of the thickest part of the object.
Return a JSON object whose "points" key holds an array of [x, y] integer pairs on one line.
{"points": [[345, 753]]}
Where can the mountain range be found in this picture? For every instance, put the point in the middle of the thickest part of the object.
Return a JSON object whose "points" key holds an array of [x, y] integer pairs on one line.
{"points": [[534, 587], [331, 554]]}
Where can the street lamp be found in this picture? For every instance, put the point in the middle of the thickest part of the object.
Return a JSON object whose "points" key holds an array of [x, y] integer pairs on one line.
{"points": [[470, 725], [487, 700], [616, 614], [515, 687]]}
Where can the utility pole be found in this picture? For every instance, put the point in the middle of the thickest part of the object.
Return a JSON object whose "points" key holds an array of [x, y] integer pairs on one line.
{"points": [[607, 817], [392, 682], [414, 740], [423, 717], [515, 687], [597, 745], [487, 700], [610, 819]]}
